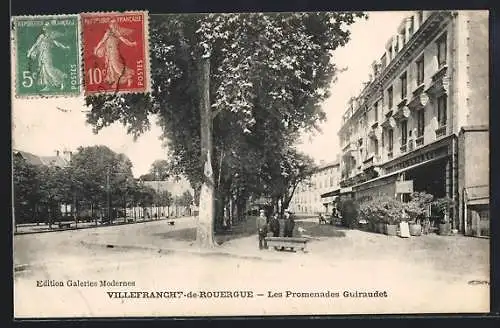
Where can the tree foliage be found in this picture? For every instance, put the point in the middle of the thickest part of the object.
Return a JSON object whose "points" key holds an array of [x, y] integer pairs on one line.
{"points": [[269, 75], [39, 190]]}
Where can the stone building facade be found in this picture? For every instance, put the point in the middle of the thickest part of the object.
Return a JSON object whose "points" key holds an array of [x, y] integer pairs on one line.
{"points": [[426, 100], [307, 197]]}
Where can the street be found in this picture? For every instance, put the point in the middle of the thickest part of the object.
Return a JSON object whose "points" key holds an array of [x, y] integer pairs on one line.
{"points": [[425, 274]]}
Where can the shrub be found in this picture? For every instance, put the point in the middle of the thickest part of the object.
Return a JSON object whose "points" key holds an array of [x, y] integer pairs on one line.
{"points": [[417, 206], [382, 209], [442, 207]]}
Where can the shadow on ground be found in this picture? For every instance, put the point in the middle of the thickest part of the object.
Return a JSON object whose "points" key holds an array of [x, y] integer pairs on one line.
{"points": [[248, 228]]}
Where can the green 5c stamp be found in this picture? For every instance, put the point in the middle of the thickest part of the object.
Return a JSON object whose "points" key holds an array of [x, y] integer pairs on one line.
{"points": [[47, 56]]}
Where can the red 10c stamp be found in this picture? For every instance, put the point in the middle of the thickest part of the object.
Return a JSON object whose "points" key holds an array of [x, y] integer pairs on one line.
{"points": [[116, 52]]}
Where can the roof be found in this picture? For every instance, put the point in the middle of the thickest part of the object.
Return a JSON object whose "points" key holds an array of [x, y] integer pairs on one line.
{"points": [[29, 157], [41, 160]]}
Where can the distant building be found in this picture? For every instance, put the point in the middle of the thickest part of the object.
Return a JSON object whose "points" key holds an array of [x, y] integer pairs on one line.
{"points": [[307, 197], [177, 186], [424, 116], [60, 159]]}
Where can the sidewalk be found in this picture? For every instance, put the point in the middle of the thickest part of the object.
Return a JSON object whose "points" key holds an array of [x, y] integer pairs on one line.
{"points": [[32, 228]]}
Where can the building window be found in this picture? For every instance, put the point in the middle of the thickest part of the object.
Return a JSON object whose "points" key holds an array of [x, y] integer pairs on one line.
{"points": [[441, 48], [389, 97], [442, 114], [403, 37], [375, 111], [420, 71], [390, 136], [375, 147], [412, 26], [404, 86], [404, 132], [420, 123], [391, 56], [420, 16]]}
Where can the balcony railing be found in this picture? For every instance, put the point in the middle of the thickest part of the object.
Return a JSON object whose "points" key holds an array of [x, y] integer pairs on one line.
{"points": [[403, 148], [441, 131], [419, 141]]}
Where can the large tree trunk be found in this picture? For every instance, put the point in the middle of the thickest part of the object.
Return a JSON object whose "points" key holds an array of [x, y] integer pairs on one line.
{"points": [[205, 226]]}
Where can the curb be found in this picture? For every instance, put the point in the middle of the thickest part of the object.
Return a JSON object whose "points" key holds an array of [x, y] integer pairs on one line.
{"points": [[185, 251]]}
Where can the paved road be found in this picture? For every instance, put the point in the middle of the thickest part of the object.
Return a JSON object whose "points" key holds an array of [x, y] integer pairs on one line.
{"points": [[416, 277]]}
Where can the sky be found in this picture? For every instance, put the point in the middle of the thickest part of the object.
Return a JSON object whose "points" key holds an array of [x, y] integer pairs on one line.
{"points": [[39, 127]]}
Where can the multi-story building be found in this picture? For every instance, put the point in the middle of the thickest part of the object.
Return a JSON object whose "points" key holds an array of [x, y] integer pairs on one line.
{"points": [[307, 197], [424, 114]]}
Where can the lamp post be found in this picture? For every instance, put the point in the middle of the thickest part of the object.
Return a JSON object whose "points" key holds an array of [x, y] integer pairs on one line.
{"points": [[108, 195], [157, 194]]}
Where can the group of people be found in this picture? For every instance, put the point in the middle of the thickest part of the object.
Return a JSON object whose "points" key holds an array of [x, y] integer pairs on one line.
{"points": [[278, 227]]}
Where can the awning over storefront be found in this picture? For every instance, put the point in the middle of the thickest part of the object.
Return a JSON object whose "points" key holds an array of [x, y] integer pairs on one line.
{"points": [[477, 195], [398, 171], [332, 193]]}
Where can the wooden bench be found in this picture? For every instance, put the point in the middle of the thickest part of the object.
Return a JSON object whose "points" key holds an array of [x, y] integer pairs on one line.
{"points": [[287, 242], [64, 225]]}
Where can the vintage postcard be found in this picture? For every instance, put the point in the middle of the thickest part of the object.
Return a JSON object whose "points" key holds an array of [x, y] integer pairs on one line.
{"points": [[47, 55], [115, 52], [304, 163]]}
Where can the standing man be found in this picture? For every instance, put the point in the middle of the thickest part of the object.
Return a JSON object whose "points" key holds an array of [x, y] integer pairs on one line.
{"points": [[289, 224], [262, 229]]}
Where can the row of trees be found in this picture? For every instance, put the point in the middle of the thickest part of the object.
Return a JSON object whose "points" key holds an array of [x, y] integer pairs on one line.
{"points": [[268, 75], [96, 179]]}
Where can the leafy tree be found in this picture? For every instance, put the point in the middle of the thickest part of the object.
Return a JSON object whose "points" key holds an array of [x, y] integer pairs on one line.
{"points": [[269, 75], [26, 182], [186, 199], [96, 170], [283, 179], [53, 190], [160, 169]]}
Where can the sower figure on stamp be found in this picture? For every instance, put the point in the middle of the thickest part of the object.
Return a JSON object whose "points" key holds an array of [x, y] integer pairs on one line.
{"points": [[48, 76], [262, 229], [108, 47]]}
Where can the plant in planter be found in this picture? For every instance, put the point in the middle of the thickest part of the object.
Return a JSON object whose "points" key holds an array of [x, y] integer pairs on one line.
{"points": [[389, 214], [364, 214], [416, 209], [443, 206]]}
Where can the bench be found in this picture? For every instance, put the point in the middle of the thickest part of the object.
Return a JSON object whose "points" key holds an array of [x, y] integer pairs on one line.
{"points": [[63, 225], [287, 242]]}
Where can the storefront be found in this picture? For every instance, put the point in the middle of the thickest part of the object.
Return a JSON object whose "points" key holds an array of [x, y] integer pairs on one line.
{"points": [[328, 200], [432, 169]]}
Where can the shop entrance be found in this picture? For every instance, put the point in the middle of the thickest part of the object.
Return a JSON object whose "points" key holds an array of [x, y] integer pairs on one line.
{"points": [[429, 178]]}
